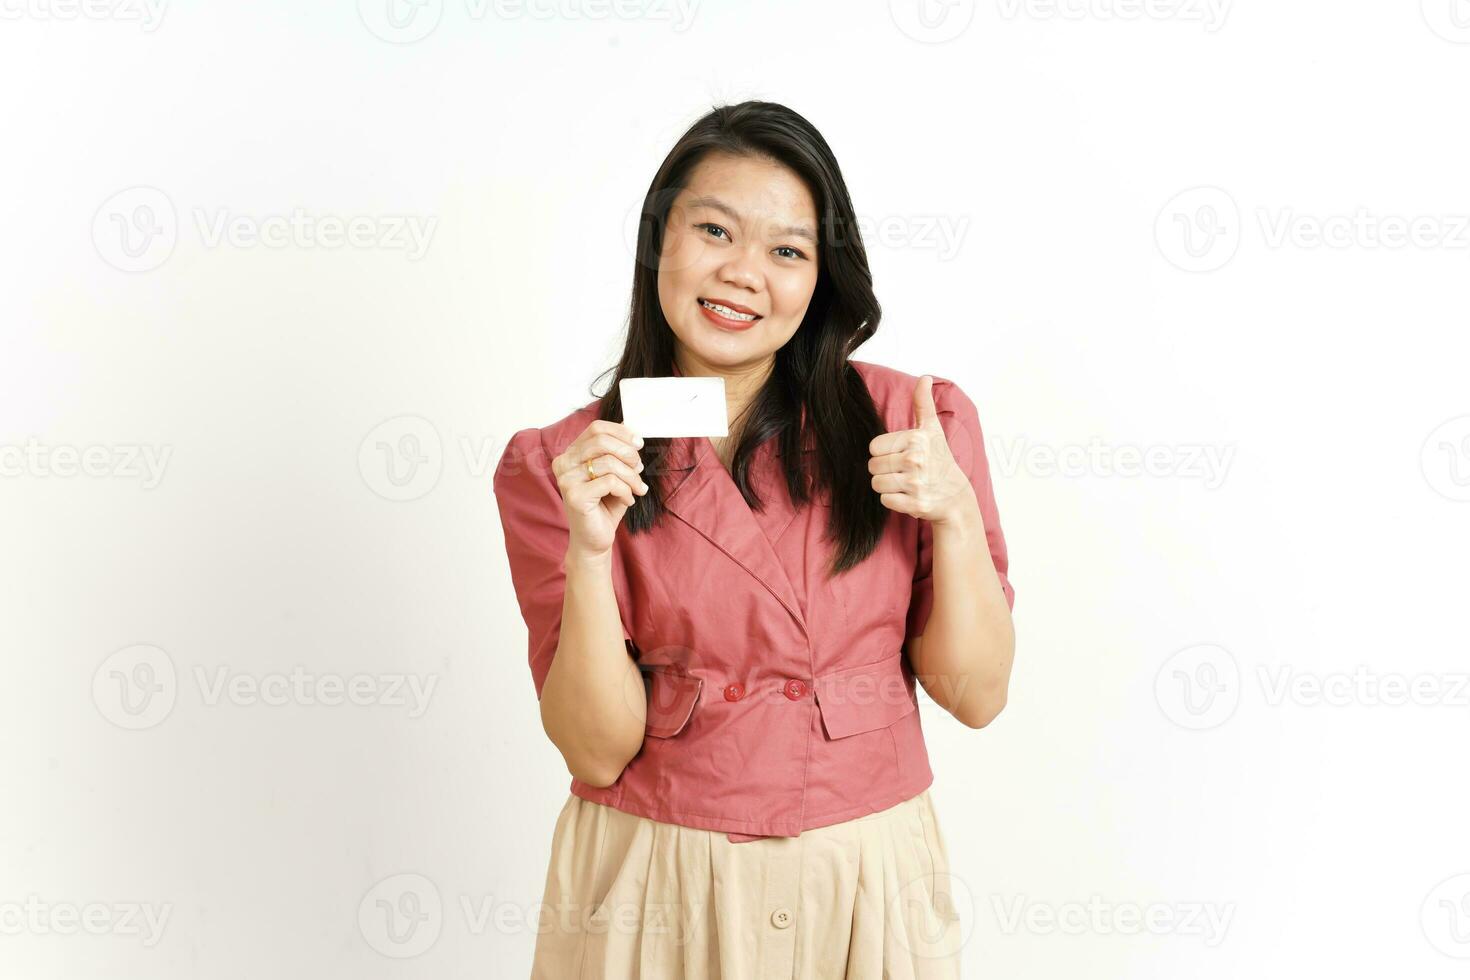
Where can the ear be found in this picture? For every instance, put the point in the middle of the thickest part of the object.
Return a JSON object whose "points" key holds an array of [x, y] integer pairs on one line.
{"points": [[926, 416]]}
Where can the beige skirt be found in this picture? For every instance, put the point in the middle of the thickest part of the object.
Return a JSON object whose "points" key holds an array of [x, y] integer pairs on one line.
{"points": [[867, 899]]}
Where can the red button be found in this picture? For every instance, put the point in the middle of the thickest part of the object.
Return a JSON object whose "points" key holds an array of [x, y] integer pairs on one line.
{"points": [[795, 689], [734, 692]]}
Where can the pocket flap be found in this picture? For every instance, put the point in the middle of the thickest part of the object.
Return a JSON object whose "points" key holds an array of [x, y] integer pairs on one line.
{"points": [[866, 697], [671, 700]]}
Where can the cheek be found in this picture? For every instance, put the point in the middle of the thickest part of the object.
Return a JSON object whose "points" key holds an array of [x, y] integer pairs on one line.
{"points": [[673, 278], [792, 294], [680, 259]]}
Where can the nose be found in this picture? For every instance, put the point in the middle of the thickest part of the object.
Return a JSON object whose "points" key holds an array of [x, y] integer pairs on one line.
{"points": [[739, 270]]}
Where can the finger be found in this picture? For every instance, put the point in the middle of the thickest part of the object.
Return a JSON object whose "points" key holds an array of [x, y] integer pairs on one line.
{"points": [[926, 416], [892, 483], [581, 488], [591, 492], [618, 430], [604, 465], [889, 463], [900, 502], [600, 443], [611, 485], [891, 442]]}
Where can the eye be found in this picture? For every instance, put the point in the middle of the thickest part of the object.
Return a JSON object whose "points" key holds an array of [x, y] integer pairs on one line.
{"points": [[796, 254], [710, 225]]}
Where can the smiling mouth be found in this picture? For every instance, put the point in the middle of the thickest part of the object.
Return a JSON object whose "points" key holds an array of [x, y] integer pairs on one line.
{"points": [[728, 313]]}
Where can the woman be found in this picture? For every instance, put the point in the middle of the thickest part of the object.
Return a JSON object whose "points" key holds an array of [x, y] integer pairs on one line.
{"points": [[725, 634]]}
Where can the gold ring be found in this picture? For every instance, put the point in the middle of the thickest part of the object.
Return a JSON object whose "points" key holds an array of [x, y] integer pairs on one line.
{"points": [[591, 473]]}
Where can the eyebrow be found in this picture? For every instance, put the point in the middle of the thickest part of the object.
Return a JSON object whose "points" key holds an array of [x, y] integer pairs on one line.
{"points": [[708, 201]]}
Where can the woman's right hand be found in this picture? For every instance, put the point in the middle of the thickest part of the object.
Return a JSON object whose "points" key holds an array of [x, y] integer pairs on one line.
{"points": [[594, 506]]}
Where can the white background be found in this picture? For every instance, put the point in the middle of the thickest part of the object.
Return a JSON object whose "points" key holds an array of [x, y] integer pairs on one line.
{"points": [[1031, 176]]}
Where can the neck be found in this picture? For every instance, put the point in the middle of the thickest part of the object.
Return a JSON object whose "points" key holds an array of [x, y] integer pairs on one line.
{"points": [[741, 383]]}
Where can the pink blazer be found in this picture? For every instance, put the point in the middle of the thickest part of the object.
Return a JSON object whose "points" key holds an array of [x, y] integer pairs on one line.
{"points": [[778, 700]]}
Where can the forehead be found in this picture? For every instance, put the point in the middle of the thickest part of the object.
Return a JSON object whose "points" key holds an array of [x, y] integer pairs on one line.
{"points": [[752, 186]]}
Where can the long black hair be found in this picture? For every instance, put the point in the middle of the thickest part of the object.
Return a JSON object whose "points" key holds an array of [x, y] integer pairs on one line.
{"points": [[812, 378]]}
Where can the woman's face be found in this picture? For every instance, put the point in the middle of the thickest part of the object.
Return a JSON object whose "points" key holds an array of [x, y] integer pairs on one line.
{"points": [[743, 233]]}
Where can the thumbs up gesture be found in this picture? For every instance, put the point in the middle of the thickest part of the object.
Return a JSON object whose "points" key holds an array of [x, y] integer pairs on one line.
{"points": [[913, 470]]}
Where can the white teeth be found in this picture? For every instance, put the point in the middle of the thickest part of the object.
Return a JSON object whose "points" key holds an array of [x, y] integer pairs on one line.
{"points": [[726, 311]]}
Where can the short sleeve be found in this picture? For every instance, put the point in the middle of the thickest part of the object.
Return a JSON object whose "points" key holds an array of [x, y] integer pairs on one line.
{"points": [[961, 424], [535, 529]]}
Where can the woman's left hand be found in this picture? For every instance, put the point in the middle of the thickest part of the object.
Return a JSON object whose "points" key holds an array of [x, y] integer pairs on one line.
{"points": [[913, 470]]}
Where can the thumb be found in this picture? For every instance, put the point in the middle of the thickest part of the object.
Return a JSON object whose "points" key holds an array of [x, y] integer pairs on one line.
{"points": [[926, 416]]}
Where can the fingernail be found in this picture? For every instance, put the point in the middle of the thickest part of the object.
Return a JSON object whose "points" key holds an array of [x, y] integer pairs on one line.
{"points": [[638, 441]]}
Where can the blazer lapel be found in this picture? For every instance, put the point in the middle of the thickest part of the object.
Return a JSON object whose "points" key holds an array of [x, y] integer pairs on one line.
{"points": [[706, 498]]}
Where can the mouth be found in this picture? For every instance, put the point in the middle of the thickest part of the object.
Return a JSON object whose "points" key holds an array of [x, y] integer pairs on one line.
{"points": [[728, 314]]}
